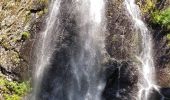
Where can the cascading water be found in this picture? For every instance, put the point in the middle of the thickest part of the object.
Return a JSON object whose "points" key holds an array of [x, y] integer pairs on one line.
{"points": [[87, 65], [46, 44], [47, 41], [147, 74], [85, 70]]}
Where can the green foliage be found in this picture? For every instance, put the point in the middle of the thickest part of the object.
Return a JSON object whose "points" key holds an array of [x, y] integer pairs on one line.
{"points": [[168, 36], [25, 35], [12, 97], [12, 90], [162, 17], [17, 88]]}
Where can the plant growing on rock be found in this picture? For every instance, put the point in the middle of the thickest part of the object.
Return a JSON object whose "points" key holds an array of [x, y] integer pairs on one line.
{"points": [[162, 18], [25, 35], [168, 39], [13, 90]]}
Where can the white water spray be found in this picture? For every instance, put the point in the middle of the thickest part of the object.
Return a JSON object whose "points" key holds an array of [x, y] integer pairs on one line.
{"points": [[88, 63], [86, 82], [147, 76], [46, 45]]}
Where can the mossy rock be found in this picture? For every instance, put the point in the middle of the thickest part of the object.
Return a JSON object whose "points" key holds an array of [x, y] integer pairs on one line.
{"points": [[146, 6]]}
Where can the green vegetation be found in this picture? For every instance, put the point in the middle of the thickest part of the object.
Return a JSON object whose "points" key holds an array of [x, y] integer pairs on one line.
{"points": [[13, 90], [44, 9], [25, 35], [162, 18], [16, 20], [168, 36]]}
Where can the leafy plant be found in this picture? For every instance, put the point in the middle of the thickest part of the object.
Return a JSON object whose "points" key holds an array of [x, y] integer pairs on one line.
{"points": [[162, 17], [168, 36], [12, 97], [25, 35], [13, 90]]}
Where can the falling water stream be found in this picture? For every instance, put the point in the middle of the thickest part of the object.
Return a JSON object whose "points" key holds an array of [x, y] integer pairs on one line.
{"points": [[87, 65], [146, 77], [87, 82], [46, 44], [84, 80]]}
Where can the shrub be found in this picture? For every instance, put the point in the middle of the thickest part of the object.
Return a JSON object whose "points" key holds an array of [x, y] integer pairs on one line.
{"points": [[162, 17], [168, 36], [13, 90], [25, 35]]}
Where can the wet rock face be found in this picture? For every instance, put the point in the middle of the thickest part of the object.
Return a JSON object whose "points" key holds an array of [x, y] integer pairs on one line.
{"points": [[58, 78], [165, 92], [20, 18], [120, 82], [154, 95], [121, 44], [162, 57], [120, 73], [124, 48], [120, 40], [161, 48], [162, 94]]}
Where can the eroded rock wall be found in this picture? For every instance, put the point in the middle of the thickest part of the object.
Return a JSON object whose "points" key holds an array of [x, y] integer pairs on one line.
{"points": [[18, 25], [16, 19]]}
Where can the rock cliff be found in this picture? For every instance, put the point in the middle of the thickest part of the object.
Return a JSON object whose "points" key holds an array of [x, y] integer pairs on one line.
{"points": [[22, 20]]}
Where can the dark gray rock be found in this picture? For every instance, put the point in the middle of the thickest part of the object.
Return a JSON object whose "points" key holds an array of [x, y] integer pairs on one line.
{"points": [[165, 92]]}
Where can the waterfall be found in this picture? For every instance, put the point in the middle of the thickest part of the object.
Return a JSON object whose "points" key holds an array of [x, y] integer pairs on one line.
{"points": [[47, 36], [84, 79], [147, 75], [46, 44], [87, 65]]}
